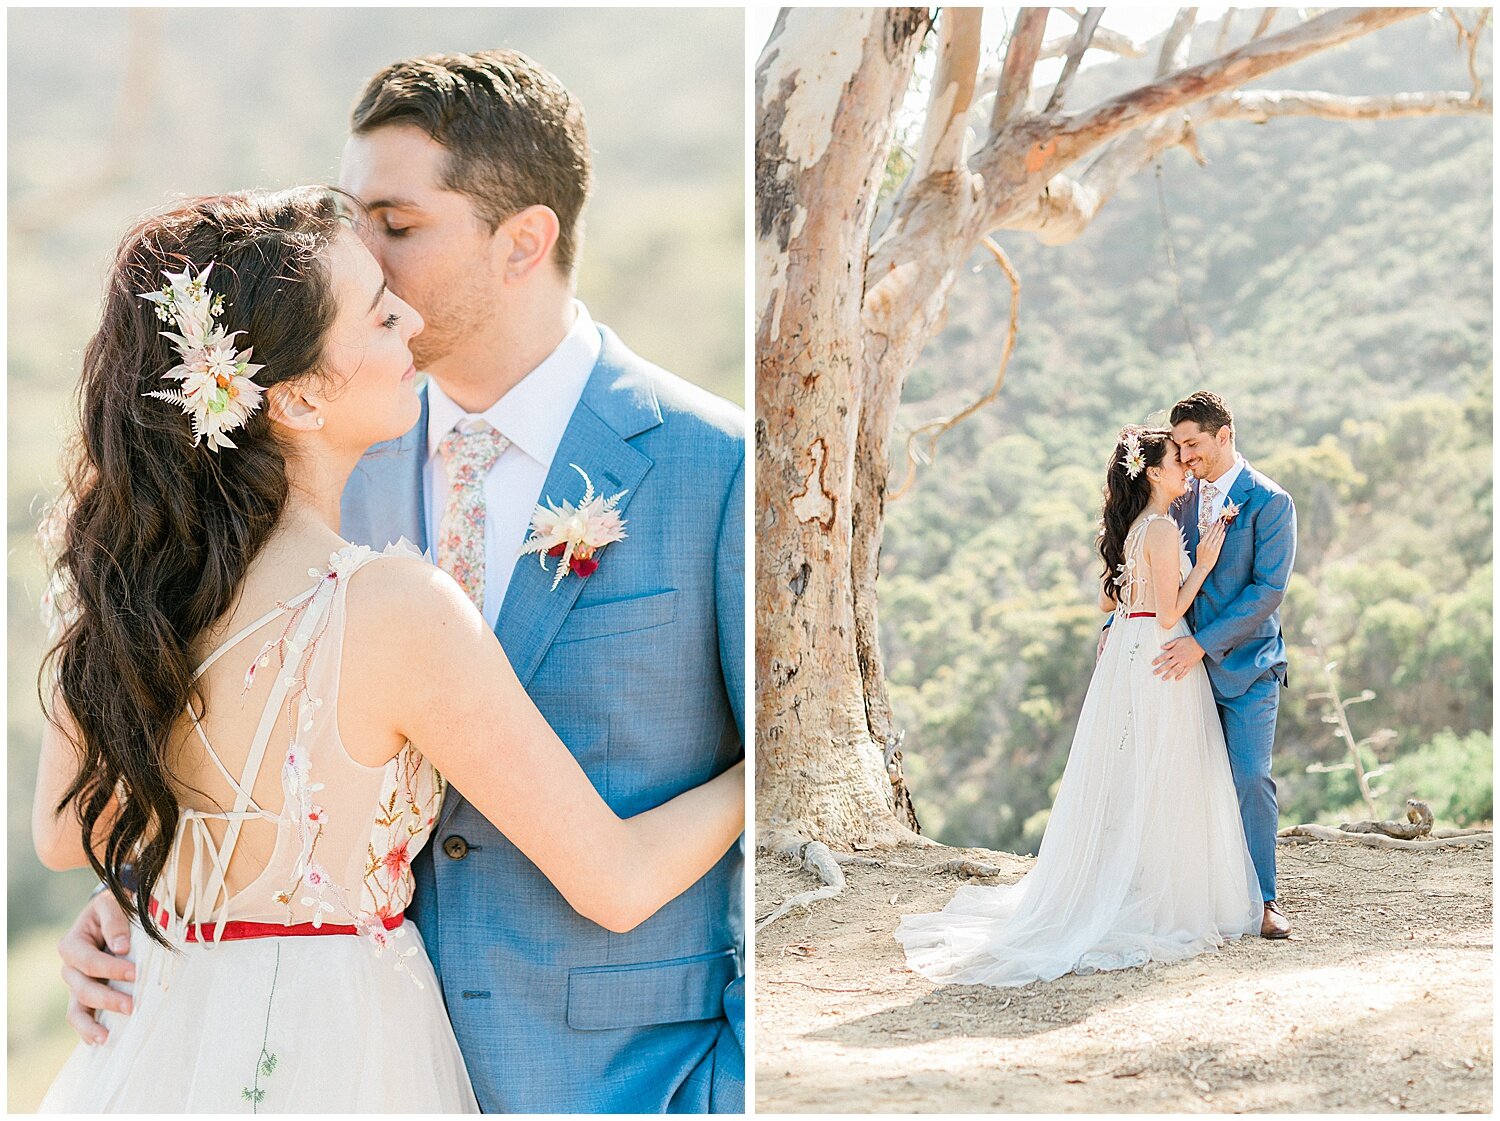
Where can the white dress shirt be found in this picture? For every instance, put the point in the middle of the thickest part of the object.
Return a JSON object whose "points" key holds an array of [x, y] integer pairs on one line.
{"points": [[533, 415], [1221, 487]]}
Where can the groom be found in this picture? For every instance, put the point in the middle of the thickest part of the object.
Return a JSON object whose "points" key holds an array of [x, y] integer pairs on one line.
{"points": [[475, 170], [1235, 618]]}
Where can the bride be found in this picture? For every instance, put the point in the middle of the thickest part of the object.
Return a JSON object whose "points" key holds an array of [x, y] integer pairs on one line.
{"points": [[252, 722], [1144, 857]]}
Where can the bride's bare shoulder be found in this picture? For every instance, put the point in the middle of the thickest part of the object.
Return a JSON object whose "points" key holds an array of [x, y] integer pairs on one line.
{"points": [[405, 598], [1162, 533]]}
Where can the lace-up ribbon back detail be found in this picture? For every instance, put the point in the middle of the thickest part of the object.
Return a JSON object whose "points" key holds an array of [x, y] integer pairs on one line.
{"points": [[1133, 575], [345, 834]]}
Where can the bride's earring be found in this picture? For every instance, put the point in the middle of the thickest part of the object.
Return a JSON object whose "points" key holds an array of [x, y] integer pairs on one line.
{"points": [[320, 421]]}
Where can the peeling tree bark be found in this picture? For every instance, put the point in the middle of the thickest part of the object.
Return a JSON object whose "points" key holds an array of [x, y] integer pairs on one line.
{"points": [[841, 321], [824, 128]]}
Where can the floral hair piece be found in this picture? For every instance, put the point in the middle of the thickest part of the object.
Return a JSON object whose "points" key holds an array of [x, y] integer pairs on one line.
{"points": [[1135, 459], [216, 391]]}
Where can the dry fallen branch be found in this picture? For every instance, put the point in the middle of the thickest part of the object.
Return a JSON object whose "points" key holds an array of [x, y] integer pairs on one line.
{"points": [[968, 868], [823, 862], [1418, 823], [1298, 833], [819, 859]]}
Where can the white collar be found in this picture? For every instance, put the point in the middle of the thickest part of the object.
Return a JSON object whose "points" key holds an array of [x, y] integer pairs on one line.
{"points": [[1222, 484], [535, 412]]}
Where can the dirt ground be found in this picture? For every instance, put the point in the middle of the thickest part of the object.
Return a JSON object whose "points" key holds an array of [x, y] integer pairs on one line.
{"points": [[1379, 1003]]}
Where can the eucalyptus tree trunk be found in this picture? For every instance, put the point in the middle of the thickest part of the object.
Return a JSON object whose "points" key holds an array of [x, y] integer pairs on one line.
{"points": [[826, 120]]}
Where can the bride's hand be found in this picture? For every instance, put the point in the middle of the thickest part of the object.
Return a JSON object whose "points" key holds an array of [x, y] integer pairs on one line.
{"points": [[1211, 543]]}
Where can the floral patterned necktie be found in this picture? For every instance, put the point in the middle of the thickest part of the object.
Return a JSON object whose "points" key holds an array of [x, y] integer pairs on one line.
{"points": [[468, 454], [1206, 495]]}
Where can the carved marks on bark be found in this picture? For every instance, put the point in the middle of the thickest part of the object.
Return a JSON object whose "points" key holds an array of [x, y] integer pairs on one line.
{"points": [[814, 503]]}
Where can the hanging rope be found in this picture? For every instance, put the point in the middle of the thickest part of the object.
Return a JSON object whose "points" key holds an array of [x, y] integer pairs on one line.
{"points": [[1166, 236]]}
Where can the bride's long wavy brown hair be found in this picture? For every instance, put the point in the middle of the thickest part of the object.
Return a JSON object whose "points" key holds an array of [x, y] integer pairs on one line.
{"points": [[156, 534], [1125, 498]]}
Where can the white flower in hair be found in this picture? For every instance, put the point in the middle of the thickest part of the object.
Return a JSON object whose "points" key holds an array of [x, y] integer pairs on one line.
{"points": [[1135, 459], [217, 389]]}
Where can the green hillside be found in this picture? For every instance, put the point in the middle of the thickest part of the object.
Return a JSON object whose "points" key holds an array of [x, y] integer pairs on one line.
{"points": [[1337, 277]]}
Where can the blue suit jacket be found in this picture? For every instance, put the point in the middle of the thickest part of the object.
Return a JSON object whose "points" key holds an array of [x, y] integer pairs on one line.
{"points": [[640, 670], [1236, 616]]}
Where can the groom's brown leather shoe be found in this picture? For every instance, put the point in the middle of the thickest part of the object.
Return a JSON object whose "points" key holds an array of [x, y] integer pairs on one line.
{"points": [[1273, 921]]}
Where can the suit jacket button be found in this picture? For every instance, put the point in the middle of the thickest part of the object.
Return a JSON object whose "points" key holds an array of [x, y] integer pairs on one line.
{"points": [[456, 847]]}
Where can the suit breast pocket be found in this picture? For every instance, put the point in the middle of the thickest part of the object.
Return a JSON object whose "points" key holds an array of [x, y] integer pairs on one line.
{"points": [[659, 992], [618, 616]]}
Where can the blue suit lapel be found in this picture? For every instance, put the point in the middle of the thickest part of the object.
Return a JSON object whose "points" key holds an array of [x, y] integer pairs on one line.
{"points": [[615, 406], [1239, 494]]}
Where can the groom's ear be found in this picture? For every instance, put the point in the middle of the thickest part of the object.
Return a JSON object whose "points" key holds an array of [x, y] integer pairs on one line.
{"points": [[531, 234]]}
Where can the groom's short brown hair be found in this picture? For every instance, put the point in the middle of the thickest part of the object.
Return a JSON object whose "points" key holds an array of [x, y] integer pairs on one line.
{"points": [[515, 136], [1206, 410]]}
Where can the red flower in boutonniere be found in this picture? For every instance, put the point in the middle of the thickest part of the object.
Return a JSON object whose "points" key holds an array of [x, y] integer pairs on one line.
{"points": [[1229, 513], [575, 534]]}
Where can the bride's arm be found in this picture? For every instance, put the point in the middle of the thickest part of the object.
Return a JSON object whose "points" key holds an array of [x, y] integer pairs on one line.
{"points": [[1173, 594], [57, 834], [449, 688]]}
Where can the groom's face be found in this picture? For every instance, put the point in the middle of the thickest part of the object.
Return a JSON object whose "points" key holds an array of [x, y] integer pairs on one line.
{"points": [[437, 253], [1206, 454]]}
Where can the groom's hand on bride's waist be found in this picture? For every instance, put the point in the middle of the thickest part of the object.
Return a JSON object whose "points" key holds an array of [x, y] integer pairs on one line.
{"points": [[1177, 658], [91, 953]]}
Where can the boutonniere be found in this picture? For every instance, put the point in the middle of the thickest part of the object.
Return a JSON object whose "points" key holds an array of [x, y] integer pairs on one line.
{"points": [[1230, 512], [575, 534]]}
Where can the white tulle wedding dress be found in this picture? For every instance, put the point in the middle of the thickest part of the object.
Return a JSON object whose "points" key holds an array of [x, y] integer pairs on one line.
{"points": [[293, 983], [1144, 856]]}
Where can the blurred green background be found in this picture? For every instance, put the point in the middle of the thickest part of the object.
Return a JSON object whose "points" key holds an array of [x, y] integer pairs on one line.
{"points": [[114, 111], [1337, 277]]}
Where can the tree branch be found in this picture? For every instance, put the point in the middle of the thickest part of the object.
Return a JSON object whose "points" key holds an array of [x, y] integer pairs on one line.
{"points": [[1081, 39], [1222, 39], [1119, 114], [941, 146], [1115, 42], [934, 429], [1068, 203], [1104, 39], [1261, 105], [1174, 48], [1267, 17], [1020, 60]]}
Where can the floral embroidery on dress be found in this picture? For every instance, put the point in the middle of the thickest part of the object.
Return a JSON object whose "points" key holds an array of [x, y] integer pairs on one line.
{"points": [[411, 794]]}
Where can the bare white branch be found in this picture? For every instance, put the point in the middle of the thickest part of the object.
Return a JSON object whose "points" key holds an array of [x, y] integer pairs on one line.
{"points": [[1222, 39], [1068, 203], [1262, 105], [1080, 43], [1174, 48], [1104, 40], [1020, 60], [941, 146]]}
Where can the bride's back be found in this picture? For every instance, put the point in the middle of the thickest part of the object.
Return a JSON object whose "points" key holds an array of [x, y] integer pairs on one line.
{"points": [[281, 823], [1137, 590]]}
